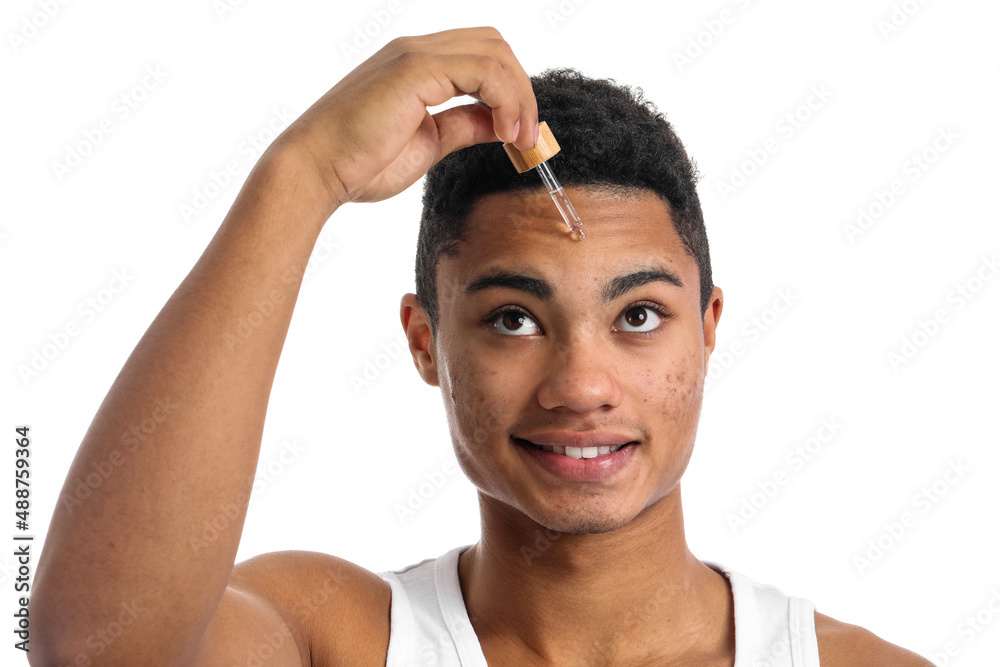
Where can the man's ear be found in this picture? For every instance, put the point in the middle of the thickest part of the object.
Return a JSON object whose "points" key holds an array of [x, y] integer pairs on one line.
{"points": [[417, 327], [711, 321]]}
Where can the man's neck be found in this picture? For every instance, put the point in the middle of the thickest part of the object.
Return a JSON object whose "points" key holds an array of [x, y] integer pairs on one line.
{"points": [[633, 595]]}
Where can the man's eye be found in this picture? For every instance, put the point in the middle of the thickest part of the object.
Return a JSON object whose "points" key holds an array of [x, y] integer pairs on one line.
{"points": [[639, 319], [514, 323]]}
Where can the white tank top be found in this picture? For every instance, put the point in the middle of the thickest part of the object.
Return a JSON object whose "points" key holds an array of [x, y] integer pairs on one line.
{"points": [[429, 625]]}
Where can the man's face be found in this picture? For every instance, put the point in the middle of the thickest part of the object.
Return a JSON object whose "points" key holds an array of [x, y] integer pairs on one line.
{"points": [[543, 340]]}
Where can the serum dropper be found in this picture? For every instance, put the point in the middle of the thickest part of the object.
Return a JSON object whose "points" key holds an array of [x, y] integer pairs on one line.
{"points": [[535, 158]]}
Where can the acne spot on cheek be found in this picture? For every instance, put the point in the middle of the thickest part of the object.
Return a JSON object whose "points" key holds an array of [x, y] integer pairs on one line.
{"points": [[676, 395], [672, 383]]}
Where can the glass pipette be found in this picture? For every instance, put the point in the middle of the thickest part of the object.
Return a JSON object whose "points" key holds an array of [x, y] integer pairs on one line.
{"points": [[562, 201], [536, 158]]}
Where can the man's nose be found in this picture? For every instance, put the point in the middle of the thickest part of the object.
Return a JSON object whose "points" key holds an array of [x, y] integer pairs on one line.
{"points": [[580, 376]]}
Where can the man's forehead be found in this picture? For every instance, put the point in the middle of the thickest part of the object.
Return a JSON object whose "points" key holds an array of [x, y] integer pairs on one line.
{"points": [[533, 209], [519, 240]]}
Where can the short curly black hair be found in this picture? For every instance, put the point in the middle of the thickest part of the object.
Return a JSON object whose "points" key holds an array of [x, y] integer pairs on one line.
{"points": [[609, 136]]}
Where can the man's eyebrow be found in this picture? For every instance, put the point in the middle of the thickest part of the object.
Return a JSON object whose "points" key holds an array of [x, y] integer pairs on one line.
{"points": [[513, 280], [622, 284], [542, 290]]}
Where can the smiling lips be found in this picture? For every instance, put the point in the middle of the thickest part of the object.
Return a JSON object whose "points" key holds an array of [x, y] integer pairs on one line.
{"points": [[578, 444], [579, 452], [580, 456]]}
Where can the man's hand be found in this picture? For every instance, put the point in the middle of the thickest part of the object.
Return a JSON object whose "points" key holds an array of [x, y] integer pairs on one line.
{"points": [[371, 135]]}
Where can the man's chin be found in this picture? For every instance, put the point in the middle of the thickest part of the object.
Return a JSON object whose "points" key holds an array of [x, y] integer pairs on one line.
{"points": [[581, 522], [591, 528]]}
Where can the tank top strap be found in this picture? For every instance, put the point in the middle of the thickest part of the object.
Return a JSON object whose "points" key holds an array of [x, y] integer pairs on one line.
{"points": [[429, 625], [772, 629]]}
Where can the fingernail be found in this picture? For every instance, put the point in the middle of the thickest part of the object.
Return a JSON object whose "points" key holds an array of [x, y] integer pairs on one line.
{"points": [[517, 126], [537, 125]]}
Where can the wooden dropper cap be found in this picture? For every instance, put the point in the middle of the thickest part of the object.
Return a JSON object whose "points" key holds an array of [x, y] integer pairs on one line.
{"points": [[545, 147]]}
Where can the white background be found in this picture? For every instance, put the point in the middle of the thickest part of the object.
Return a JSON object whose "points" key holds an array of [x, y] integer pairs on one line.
{"points": [[226, 69]]}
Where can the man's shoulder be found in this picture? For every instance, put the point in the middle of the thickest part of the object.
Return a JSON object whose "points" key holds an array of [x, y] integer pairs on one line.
{"points": [[851, 645], [315, 576], [320, 596]]}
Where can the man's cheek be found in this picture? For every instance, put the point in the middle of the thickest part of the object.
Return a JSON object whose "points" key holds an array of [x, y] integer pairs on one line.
{"points": [[476, 413], [679, 395]]}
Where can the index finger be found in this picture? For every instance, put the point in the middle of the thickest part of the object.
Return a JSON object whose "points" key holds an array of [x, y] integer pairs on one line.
{"points": [[520, 113]]}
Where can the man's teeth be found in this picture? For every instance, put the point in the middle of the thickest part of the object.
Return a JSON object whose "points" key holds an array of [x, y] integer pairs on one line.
{"points": [[580, 452]]}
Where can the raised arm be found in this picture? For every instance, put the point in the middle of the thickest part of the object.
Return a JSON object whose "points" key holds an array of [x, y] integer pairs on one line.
{"points": [[135, 545]]}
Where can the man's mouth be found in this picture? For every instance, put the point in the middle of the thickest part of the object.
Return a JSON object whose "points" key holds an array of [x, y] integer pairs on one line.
{"points": [[574, 452]]}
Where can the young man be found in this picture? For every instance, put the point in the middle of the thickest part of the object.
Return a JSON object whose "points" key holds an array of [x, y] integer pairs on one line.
{"points": [[572, 377]]}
